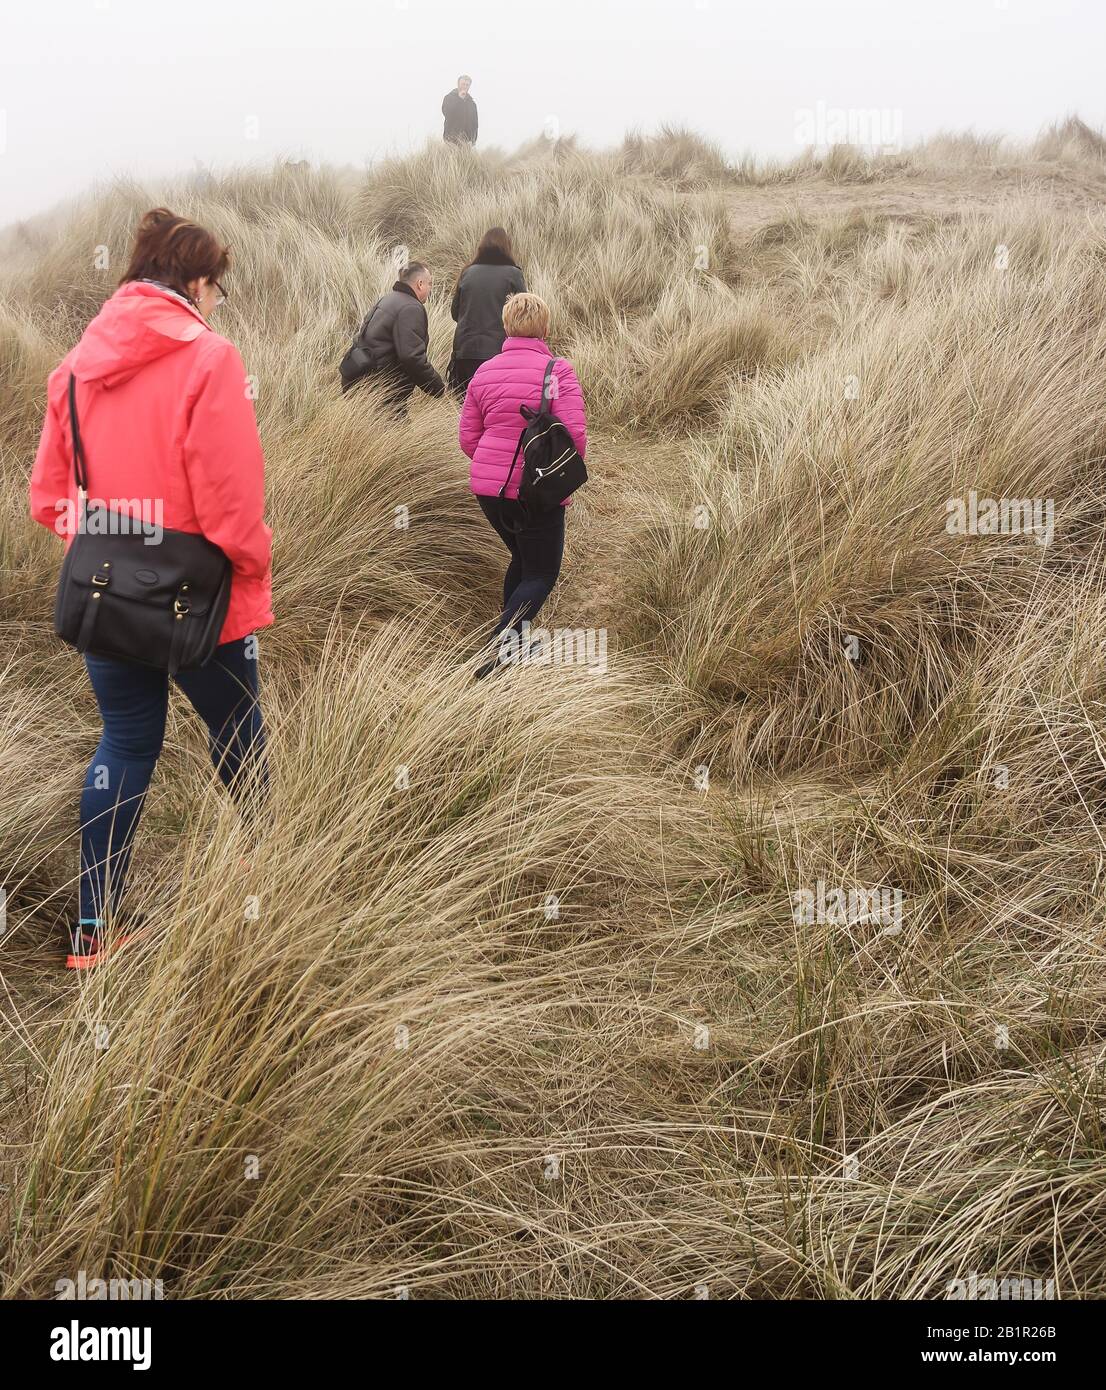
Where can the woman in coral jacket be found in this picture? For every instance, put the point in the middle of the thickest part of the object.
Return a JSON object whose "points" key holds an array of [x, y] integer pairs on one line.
{"points": [[488, 433], [166, 417]]}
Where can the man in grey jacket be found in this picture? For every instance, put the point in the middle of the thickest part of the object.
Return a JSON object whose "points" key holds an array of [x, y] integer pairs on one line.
{"points": [[393, 340]]}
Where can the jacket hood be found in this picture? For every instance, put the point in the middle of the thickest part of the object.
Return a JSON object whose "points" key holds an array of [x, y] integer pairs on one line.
{"points": [[139, 324]]}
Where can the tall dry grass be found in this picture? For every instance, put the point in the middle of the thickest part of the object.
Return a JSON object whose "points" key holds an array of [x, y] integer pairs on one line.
{"points": [[507, 996]]}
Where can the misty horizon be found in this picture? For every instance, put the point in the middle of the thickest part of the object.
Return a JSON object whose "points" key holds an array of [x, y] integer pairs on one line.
{"points": [[248, 87]]}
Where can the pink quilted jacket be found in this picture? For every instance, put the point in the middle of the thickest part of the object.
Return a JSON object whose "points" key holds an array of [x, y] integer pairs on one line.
{"points": [[490, 420]]}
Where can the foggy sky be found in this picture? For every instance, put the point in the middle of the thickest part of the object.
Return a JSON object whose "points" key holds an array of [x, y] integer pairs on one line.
{"points": [[95, 88]]}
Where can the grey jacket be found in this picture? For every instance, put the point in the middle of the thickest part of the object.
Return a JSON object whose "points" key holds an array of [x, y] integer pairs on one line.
{"points": [[394, 337], [478, 308]]}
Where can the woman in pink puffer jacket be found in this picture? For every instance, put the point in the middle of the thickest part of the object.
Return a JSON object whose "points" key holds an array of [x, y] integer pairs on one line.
{"points": [[489, 431]]}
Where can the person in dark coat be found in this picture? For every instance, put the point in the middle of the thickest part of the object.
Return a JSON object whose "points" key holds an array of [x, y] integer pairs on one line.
{"points": [[459, 111], [483, 288], [394, 337]]}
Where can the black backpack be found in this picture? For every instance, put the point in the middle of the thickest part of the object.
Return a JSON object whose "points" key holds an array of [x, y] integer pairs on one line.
{"points": [[551, 467], [157, 605]]}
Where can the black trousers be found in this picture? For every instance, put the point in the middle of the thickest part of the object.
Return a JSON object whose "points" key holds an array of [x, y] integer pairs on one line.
{"points": [[536, 551], [460, 373]]}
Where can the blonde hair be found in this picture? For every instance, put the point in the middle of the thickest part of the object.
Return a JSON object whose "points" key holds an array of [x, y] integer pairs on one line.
{"points": [[526, 316]]}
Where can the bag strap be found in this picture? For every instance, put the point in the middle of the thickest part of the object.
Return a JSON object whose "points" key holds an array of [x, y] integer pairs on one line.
{"points": [[542, 405], [80, 464], [510, 471], [546, 379], [365, 326]]}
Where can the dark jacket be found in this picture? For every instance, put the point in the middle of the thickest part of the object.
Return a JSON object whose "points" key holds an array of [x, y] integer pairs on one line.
{"points": [[478, 304], [395, 334], [460, 118]]}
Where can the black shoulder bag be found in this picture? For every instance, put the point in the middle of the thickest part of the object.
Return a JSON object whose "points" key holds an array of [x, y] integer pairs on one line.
{"points": [[552, 469], [155, 597], [359, 361]]}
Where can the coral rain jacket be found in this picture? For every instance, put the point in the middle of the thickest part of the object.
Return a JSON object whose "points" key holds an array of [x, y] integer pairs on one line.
{"points": [[164, 416]]}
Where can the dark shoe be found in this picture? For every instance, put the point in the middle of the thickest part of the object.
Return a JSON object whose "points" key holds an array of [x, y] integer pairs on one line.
{"points": [[500, 662], [486, 669]]}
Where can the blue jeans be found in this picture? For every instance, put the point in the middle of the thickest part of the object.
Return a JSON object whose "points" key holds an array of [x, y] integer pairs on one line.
{"points": [[134, 702]]}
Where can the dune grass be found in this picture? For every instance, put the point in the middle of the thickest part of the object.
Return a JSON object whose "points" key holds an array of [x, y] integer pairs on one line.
{"points": [[509, 994]]}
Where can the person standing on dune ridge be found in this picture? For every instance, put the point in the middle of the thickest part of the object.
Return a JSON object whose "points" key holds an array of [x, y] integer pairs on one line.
{"points": [[459, 110]]}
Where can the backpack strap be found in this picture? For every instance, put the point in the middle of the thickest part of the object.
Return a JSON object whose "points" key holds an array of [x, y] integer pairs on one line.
{"points": [[543, 405], [510, 471], [546, 379]]}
